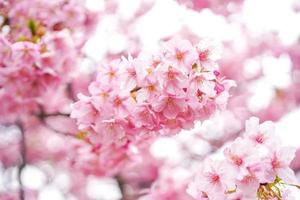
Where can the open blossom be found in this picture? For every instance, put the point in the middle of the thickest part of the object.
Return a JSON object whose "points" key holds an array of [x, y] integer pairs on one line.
{"points": [[279, 162], [136, 96], [240, 154], [213, 177], [260, 134], [173, 80], [251, 171], [181, 53], [170, 106], [131, 72]]}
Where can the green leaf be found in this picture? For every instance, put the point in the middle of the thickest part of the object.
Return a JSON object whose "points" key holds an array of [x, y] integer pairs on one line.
{"points": [[32, 26]]}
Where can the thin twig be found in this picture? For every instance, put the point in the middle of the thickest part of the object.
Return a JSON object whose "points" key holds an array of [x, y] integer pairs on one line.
{"points": [[56, 114], [57, 131], [42, 116]]}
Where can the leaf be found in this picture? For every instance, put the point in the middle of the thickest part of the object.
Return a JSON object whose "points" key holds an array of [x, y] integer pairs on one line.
{"points": [[32, 26], [277, 180]]}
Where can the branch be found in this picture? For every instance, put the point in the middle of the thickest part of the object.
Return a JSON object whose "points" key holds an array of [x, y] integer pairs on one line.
{"points": [[57, 131], [56, 114], [127, 194], [23, 160], [42, 116], [121, 187], [70, 92]]}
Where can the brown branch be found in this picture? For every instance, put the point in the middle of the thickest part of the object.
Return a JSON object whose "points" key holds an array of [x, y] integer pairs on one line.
{"points": [[128, 194], [42, 116], [70, 92], [57, 131], [56, 114], [23, 152], [121, 186]]}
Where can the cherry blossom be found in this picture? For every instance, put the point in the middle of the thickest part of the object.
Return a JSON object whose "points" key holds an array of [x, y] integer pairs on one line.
{"points": [[248, 170], [134, 101], [168, 104]]}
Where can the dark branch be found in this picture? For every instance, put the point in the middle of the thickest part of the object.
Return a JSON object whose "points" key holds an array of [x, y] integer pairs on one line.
{"points": [[121, 187], [56, 114], [57, 131], [23, 160], [42, 114], [70, 92]]}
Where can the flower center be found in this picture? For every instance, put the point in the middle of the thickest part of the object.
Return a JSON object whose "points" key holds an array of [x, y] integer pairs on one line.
{"points": [[117, 101], [214, 178], [171, 75], [275, 163], [151, 88], [179, 55], [203, 56], [237, 160]]}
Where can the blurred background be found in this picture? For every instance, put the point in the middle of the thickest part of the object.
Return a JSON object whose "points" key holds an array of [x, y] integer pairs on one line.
{"points": [[259, 44]]}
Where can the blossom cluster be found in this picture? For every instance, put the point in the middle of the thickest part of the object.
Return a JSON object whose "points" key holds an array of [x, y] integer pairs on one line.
{"points": [[139, 97], [30, 20], [39, 45], [255, 166], [26, 73]]}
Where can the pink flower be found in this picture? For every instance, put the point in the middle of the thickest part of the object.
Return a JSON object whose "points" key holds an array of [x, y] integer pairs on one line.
{"points": [[101, 96], [84, 112], [214, 180], [249, 185], [97, 88], [145, 117], [207, 55], [279, 162], [25, 53], [111, 132], [173, 80], [110, 73], [180, 53], [240, 154], [131, 73], [149, 95], [260, 134], [150, 89], [252, 170], [122, 105], [169, 106]]}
